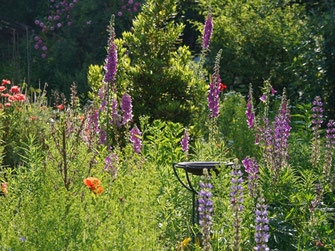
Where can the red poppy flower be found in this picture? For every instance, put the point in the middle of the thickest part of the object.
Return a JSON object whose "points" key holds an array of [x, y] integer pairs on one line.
{"points": [[19, 97], [60, 107], [94, 184], [222, 87], [33, 117], [2, 88], [5, 95], [5, 82], [8, 105], [15, 89], [11, 98]]}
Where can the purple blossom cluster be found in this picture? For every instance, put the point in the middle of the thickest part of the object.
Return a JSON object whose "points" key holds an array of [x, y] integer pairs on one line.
{"points": [[251, 167], [115, 114], [261, 236], [58, 17], [317, 201], [129, 6], [281, 132], [126, 108], [236, 201], [184, 142], [250, 110], [213, 97], [205, 208], [93, 121], [95, 128], [214, 89], [330, 142], [273, 137], [111, 61], [208, 30], [135, 138], [316, 125], [111, 164]]}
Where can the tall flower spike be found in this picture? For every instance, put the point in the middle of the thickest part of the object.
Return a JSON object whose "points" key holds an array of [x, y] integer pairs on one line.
{"points": [[111, 59], [111, 164], [236, 201], [281, 130], [330, 142], [135, 138], [251, 167], [115, 115], [184, 141], [261, 226], [250, 109], [316, 125], [205, 209], [208, 29], [126, 108], [214, 89]]}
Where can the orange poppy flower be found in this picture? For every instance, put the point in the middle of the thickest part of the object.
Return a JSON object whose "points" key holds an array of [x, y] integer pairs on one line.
{"points": [[94, 184], [4, 188]]}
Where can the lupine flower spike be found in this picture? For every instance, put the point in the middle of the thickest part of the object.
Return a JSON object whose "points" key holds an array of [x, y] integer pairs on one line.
{"points": [[251, 167], [205, 209], [316, 125], [261, 226], [236, 201], [330, 141]]}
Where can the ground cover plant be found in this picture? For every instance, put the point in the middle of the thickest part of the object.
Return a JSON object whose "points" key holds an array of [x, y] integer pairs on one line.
{"points": [[98, 176]]}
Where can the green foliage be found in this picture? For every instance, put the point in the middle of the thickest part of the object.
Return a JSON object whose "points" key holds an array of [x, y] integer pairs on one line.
{"points": [[233, 126], [162, 141], [161, 71]]}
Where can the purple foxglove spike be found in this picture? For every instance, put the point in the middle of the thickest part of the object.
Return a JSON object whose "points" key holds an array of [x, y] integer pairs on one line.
{"points": [[208, 29], [136, 139], [126, 108], [184, 141], [111, 62]]}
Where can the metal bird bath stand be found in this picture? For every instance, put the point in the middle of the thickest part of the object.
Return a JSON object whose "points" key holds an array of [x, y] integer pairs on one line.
{"points": [[196, 168]]}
